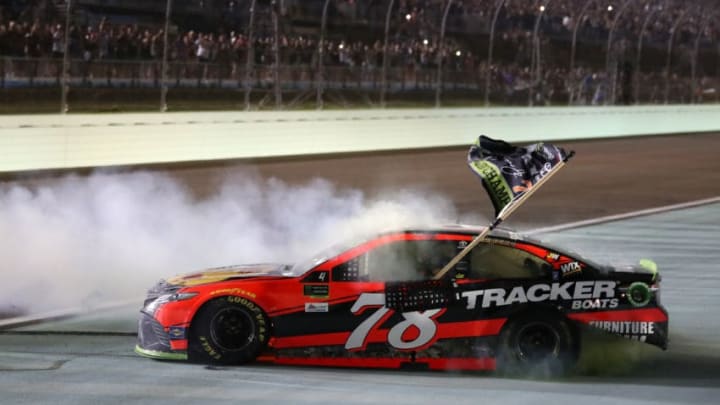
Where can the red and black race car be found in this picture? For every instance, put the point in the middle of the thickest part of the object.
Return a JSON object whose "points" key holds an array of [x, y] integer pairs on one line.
{"points": [[513, 303]]}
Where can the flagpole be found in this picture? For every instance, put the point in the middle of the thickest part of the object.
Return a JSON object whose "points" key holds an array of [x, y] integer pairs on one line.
{"points": [[502, 215]]}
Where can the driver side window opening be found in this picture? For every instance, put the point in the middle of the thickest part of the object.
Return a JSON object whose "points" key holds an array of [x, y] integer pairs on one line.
{"points": [[414, 260], [493, 261], [408, 260]]}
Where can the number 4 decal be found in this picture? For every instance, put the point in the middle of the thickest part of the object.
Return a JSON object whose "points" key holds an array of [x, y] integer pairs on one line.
{"points": [[422, 320]]}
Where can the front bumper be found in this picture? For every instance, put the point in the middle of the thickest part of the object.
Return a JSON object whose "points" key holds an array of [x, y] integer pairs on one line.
{"points": [[158, 355], [157, 343]]}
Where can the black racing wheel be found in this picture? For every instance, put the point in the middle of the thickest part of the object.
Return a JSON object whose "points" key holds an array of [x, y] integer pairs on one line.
{"points": [[538, 345], [228, 330]]}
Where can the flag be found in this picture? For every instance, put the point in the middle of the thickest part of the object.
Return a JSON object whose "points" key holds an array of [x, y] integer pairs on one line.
{"points": [[508, 171]]}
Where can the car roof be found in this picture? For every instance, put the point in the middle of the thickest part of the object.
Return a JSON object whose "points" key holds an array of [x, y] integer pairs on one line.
{"points": [[500, 233], [464, 229]]}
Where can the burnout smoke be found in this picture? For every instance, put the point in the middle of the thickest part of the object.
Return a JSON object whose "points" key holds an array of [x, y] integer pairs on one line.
{"points": [[86, 241]]}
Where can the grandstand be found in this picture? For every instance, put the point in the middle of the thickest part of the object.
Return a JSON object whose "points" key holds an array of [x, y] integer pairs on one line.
{"points": [[120, 54]]}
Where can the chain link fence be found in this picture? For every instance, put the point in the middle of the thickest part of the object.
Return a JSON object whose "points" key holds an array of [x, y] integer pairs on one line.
{"points": [[113, 55]]}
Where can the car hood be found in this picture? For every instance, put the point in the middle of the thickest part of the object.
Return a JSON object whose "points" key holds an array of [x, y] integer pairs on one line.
{"points": [[218, 274]]}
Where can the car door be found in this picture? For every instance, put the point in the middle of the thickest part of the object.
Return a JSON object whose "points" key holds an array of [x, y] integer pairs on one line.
{"points": [[397, 260], [344, 297], [324, 318]]}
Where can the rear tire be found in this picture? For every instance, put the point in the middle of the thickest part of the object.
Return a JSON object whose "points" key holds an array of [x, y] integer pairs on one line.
{"points": [[228, 330], [537, 345]]}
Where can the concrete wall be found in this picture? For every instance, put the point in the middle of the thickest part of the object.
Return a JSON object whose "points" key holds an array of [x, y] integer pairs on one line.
{"points": [[32, 142]]}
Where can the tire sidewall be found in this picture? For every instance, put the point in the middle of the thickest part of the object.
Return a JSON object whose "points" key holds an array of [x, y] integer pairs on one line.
{"points": [[510, 362], [203, 345]]}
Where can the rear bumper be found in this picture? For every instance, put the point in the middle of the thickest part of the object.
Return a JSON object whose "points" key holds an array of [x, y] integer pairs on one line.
{"points": [[648, 325], [157, 343]]}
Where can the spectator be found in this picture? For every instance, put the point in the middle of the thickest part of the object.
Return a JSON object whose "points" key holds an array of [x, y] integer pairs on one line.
{"points": [[31, 29]]}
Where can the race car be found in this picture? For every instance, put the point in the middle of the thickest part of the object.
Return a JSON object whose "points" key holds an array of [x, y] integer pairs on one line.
{"points": [[513, 303]]}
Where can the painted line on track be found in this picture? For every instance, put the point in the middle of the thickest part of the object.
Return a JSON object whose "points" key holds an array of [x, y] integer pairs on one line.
{"points": [[57, 315], [64, 333], [627, 215]]}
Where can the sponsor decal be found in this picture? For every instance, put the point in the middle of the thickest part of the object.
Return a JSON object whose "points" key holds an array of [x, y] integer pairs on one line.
{"points": [[546, 168], [499, 188], [501, 242], [633, 330], [317, 277], [233, 291], [240, 300], [176, 332], [205, 344], [568, 291], [570, 268], [316, 307], [566, 265], [416, 330], [316, 290], [596, 303]]}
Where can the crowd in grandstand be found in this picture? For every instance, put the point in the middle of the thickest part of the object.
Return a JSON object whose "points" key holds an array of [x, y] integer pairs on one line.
{"points": [[562, 15], [35, 29]]}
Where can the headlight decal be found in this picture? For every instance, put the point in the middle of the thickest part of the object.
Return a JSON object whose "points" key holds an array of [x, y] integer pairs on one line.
{"points": [[176, 333], [153, 306]]}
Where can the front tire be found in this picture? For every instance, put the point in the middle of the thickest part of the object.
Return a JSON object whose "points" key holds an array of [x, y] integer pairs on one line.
{"points": [[537, 345], [228, 330]]}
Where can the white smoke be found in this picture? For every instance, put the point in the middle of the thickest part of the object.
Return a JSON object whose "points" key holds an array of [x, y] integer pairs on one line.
{"points": [[89, 240]]}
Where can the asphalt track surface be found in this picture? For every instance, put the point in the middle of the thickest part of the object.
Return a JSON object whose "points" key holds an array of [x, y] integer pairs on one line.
{"points": [[51, 363]]}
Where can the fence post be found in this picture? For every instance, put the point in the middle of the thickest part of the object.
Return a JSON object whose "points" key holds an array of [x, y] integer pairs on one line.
{"points": [[694, 62], [669, 54], [535, 55], [276, 53], [383, 81], [638, 69], [573, 48], [250, 56], [612, 76], [491, 43], [441, 50], [65, 86], [320, 74], [164, 68], [2, 72]]}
